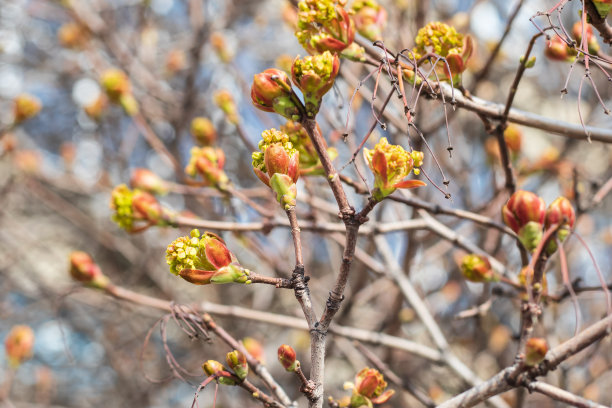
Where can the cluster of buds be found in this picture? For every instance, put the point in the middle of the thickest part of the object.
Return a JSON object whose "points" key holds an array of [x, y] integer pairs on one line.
{"points": [[208, 162], [557, 49], [25, 106], [203, 258], [370, 18], [310, 163], [591, 39], [271, 92], [224, 100], [287, 358], [535, 351], [315, 75], [603, 7], [368, 389], [132, 207], [526, 214], [146, 180], [119, 90], [390, 165], [476, 268], [324, 25], [277, 166], [440, 40], [84, 269], [19, 345], [203, 131], [213, 368], [72, 35]]}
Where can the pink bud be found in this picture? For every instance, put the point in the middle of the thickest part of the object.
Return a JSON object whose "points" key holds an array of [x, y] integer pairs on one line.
{"points": [[146, 180], [560, 211], [535, 351], [521, 208], [84, 269]]}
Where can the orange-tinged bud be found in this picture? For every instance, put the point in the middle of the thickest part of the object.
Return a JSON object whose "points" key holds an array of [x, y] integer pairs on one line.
{"points": [[271, 92], [115, 83], [238, 363], [96, 109], [254, 348], [146, 180], [535, 351], [370, 388], [85, 270], [223, 51], [208, 162], [27, 161], [370, 18], [592, 44], [175, 62], [72, 35], [25, 106], [146, 206], [224, 100], [513, 136], [203, 131], [19, 345], [287, 358], [477, 268]]}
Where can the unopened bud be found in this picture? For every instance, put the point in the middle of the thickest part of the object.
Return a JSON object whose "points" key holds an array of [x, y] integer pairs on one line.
{"points": [[85, 270], [238, 363], [19, 345], [203, 131], [213, 367], [535, 351], [287, 358], [524, 213], [477, 268], [25, 106], [224, 100], [115, 83], [145, 179], [271, 92]]}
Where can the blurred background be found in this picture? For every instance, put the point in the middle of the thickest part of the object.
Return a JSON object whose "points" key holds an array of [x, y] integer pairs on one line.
{"points": [[58, 168]]}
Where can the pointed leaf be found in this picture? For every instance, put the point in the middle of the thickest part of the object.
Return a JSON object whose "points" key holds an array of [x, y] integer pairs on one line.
{"points": [[410, 184]]}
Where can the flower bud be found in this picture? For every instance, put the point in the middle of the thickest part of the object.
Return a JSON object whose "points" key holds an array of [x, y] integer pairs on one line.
{"points": [[557, 50], [84, 269], [271, 92], [208, 162], [561, 212], [146, 180], [175, 62], [25, 107], [203, 131], [370, 18], [513, 136], [132, 206], [524, 213], [129, 104], [324, 25], [277, 165], [213, 367], [96, 109], [287, 358], [476, 268], [238, 363], [72, 35], [370, 388], [115, 83], [315, 75], [223, 51], [390, 165], [535, 351], [309, 162], [592, 44], [204, 259], [254, 348], [444, 41], [224, 100], [19, 345]]}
